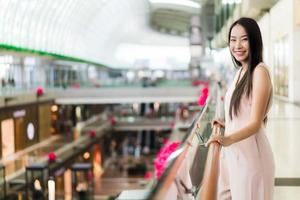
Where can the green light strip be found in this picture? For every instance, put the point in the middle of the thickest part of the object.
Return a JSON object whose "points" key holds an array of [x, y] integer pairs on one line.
{"points": [[48, 54]]}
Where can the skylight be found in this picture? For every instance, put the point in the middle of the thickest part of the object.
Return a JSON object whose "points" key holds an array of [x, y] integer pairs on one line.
{"points": [[187, 3]]}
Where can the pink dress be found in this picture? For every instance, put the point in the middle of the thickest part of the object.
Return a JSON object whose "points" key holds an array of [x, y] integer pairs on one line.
{"points": [[246, 167]]}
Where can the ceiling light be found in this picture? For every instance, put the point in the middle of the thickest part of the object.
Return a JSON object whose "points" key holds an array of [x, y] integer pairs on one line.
{"points": [[231, 1], [187, 3]]}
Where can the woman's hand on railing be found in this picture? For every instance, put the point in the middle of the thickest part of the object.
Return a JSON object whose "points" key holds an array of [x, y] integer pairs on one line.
{"points": [[222, 140], [218, 121]]}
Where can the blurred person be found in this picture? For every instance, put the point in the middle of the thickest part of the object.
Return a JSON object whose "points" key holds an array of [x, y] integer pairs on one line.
{"points": [[113, 150], [3, 82], [125, 144], [82, 190], [11, 82], [137, 150], [246, 159], [37, 193]]}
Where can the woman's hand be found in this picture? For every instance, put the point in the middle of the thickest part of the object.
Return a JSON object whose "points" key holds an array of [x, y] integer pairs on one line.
{"points": [[222, 140], [218, 121]]}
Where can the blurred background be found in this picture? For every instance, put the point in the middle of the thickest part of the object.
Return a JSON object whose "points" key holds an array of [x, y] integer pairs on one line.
{"points": [[112, 99]]}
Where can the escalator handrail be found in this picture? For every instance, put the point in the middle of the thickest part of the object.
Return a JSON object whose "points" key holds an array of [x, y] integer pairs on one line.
{"points": [[211, 170], [210, 177], [168, 180]]}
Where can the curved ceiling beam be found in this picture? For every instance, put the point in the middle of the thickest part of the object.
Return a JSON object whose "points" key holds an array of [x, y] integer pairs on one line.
{"points": [[182, 5]]}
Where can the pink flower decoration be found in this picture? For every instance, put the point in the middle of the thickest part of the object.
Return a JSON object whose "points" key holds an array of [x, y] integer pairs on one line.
{"points": [[199, 82], [202, 100], [90, 175], [92, 133], [203, 97], [148, 176], [123, 113], [39, 91], [204, 90], [165, 141], [162, 156], [172, 125], [196, 82], [51, 156], [75, 85], [112, 120]]}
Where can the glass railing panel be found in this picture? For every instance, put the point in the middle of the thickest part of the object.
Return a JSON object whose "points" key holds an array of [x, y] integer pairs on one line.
{"points": [[184, 173]]}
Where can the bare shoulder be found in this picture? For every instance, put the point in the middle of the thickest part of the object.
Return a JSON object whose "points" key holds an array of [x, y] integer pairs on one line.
{"points": [[261, 68], [261, 74]]}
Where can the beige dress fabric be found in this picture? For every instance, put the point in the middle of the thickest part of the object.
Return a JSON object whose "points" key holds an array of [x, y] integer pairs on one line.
{"points": [[246, 167]]}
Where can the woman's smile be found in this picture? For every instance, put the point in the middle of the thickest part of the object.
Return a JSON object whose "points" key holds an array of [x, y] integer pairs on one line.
{"points": [[239, 53]]}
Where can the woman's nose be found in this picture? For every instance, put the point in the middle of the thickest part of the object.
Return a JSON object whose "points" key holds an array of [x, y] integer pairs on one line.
{"points": [[238, 44]]}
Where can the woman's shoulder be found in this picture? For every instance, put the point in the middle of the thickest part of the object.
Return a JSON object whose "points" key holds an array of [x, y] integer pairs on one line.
{"points": [[262, 66], [262, 69], [261, 73]]}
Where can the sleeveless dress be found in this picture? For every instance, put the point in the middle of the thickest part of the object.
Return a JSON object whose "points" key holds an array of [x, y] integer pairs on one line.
{"points": [[246, 167]]}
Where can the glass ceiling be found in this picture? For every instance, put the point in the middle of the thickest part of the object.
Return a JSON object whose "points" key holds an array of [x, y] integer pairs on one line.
{"points": [[92, 30]]}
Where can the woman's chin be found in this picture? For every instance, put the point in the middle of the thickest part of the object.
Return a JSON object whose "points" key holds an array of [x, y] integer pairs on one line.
{"points": [[241, 59]]}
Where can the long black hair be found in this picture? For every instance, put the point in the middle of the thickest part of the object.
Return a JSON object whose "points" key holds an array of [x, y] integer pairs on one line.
{"points": [[254, 58]]}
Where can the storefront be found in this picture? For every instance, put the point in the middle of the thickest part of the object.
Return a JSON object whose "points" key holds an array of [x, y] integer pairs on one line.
{"points": [[23, 126]]}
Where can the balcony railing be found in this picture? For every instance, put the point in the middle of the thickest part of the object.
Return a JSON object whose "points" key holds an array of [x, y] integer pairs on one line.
{"points": [[193, 174]]}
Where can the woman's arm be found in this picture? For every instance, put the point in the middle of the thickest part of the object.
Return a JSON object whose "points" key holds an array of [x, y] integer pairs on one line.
{"points": [[261, 91], [218, 121]]}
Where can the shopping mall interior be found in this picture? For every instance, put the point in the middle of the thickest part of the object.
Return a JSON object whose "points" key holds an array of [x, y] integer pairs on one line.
{"points": [[113, 99]]}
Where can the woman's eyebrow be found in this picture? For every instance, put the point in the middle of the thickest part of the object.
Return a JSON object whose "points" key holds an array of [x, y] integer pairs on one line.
{"points": [[233, 36]]}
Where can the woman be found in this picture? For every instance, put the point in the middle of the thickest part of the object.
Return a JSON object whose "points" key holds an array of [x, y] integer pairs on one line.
{"points": [[246, 160]]}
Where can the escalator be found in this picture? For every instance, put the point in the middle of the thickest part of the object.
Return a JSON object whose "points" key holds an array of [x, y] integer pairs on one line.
{"points": [[191, 171]]}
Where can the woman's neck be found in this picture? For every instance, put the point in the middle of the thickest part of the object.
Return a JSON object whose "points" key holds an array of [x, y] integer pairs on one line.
{"points": [[244, 66]]}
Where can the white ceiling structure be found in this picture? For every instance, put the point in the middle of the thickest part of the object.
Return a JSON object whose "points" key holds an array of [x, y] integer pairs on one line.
{"points": [[116, 33]]}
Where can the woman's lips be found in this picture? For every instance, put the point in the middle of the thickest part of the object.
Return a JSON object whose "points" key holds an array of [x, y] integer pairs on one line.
{"points": [[239, 53]]}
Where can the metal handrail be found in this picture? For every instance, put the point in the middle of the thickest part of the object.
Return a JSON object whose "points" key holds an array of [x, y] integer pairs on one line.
{"points": [[191, 143], [165, 183], [211, 172], [208, 184]]}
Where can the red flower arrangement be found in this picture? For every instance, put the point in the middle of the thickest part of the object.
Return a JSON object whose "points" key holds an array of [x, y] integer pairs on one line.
{"points": [[148, 175], [172, 125], [90, 175], [92, 133], [162, 156], [39, 91], [203, 97], [51, 156], [165, 141], [75, 85], [112, 120], [199, 82], [204, 90]]}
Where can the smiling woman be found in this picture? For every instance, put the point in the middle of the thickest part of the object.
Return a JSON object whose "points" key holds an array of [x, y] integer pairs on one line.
{"points": [[239, 45], [247, 164]]}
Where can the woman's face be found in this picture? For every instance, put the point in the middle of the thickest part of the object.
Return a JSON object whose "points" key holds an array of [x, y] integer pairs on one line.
{"points": [[239, 43]]}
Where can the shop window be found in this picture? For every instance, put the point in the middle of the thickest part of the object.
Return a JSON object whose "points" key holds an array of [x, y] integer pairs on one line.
{"points": [[281, 67]]}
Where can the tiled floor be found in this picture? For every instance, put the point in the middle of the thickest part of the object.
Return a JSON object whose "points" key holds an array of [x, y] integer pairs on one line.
{"points": [[113, 181], [287, 193], [283, 131]]}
